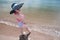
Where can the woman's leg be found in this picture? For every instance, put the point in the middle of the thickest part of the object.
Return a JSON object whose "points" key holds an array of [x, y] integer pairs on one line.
{"points": [[25, 26], [20, 27]]}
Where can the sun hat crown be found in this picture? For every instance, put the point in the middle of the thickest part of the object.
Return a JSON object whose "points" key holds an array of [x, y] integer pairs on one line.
{"points": [[15, 6]]}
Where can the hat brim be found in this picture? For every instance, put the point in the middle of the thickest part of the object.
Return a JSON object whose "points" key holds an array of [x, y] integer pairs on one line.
{"points": [[17, 7], [12, 11]]}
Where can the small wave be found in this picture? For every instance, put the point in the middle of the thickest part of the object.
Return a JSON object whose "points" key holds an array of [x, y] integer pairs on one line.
{"points": [[34, 28]]}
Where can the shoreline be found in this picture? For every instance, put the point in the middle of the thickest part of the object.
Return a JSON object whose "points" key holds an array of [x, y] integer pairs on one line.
{"points": [[41, 30]]}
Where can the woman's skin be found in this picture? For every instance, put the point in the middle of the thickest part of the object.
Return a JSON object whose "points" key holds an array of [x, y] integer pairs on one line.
{"points": [[20, 18]]}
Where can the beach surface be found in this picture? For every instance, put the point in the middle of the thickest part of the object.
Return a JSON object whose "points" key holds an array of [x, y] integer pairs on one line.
{"points": [[44, 26], [12, 33]]}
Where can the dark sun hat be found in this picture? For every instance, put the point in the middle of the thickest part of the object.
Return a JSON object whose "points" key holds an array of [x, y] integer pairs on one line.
{"points": [[15, 6]]}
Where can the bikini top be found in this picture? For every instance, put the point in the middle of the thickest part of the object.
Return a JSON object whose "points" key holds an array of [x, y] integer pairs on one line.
{"points": [[19, 17]]}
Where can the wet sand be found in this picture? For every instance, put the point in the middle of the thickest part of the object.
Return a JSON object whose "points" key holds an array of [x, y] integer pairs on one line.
{"points": [[38, 19], [12, 33]]}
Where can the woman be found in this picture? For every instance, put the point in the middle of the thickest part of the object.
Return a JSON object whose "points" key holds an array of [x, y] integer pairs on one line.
{"points": [[19, 16]]}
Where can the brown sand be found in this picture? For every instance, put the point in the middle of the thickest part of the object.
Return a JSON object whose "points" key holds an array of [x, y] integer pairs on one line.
{"points": [[41, 18], [12, 33]]}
